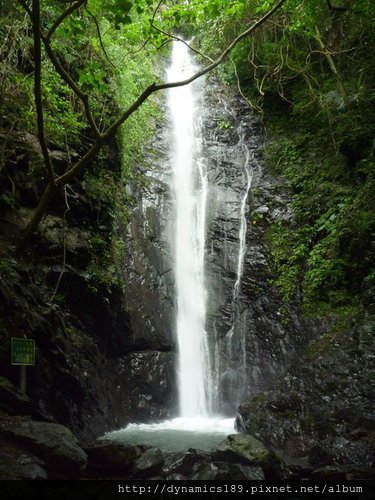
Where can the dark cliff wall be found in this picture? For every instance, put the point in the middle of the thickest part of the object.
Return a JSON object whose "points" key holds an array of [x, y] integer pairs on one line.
{"points": [[256, 333], [52, 295]]}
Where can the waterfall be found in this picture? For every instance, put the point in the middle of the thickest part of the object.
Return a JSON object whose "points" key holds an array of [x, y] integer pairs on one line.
{"points": [[243, 224], [190, 195], [198, 375]]}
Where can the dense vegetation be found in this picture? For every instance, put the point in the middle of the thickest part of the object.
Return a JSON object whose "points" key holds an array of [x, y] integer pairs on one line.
{"points": [[101, 53], [309, 70]]}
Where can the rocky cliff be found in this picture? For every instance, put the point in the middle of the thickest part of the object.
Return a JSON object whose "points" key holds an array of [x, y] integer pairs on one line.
{"points": [[106, 353], [79, 322]]}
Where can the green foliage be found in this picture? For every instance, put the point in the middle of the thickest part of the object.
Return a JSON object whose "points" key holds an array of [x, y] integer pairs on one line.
{"points": [[225, 125], [92, 77], [323, 148], [132, 73], [109, 50], [328, 250], [302, 67], [63, 121]]}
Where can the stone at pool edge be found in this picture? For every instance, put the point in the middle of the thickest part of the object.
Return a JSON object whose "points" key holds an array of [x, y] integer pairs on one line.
{"points": [[148, 464], [111, 457], [223, 471], [244, 448], [53, 443], [16, 462]]}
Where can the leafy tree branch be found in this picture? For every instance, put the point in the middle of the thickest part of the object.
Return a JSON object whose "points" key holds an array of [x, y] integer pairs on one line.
{"points": [[38, 88], [102, 138]]}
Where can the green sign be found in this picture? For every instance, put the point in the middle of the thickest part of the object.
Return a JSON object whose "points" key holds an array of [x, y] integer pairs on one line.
{"points": [[23, 352]]}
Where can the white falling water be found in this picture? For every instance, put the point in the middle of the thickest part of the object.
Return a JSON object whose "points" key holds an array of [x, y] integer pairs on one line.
{"points": [[243, 224], [196, 425], [190, 191], [248, 173]]}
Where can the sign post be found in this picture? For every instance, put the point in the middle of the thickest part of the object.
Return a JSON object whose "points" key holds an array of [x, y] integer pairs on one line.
{"points": [[23, 354]]}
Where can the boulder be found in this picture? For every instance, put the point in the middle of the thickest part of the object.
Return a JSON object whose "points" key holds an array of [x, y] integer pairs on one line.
{"points": [[243, 448], [53, 443], [18, 463], [148, 464], [110, 457], [217, 471], [182, 463]]}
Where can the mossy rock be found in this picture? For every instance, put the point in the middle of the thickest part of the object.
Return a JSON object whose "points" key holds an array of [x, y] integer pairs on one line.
{"points": [[243, 448]]}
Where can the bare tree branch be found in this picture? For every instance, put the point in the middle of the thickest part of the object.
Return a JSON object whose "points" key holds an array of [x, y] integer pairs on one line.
{"points": [[251, 105], [333, 68], [224, 54], [63, 16], [26, 7], [100, 37], [38, 88], [174, 37]]}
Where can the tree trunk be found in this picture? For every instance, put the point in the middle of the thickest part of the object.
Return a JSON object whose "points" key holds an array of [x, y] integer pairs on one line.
{"points": [[334, 70], [37, 216]]}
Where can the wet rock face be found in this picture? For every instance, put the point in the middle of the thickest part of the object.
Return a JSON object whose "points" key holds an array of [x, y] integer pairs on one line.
{"points": [[81, 331], [251, 341], [148, 261], [322, 408], [342, 451], [149, 366], [149, 393], [15, 402], [72, 379]]}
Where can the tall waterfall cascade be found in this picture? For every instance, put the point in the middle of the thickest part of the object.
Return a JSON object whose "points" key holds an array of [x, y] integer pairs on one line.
{"points": [[197, 216], [190, 197], [205, 363]]}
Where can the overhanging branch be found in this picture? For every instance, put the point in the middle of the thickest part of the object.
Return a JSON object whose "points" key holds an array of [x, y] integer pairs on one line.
{"points": [[111, 130], [153, 88], [38, 88], [63, 16]]}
